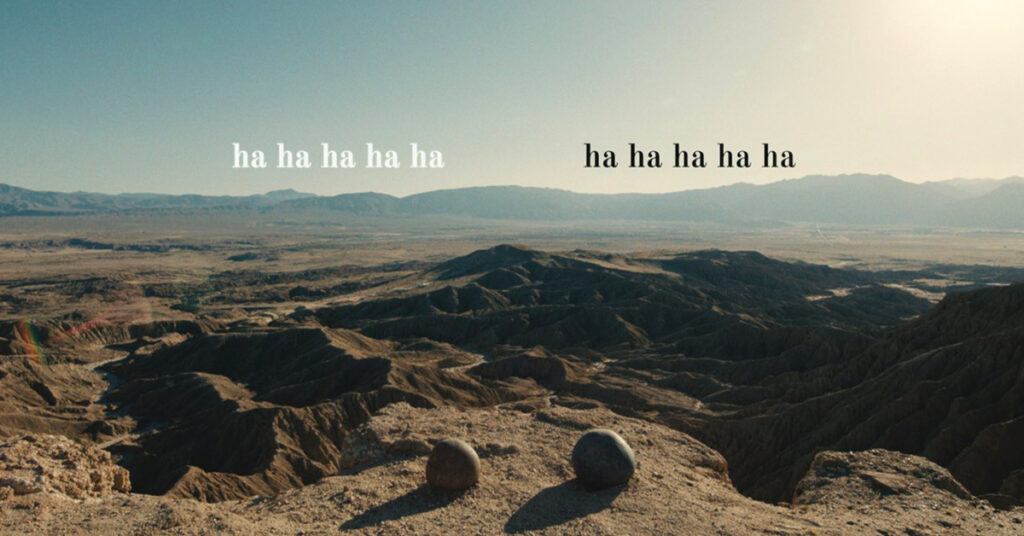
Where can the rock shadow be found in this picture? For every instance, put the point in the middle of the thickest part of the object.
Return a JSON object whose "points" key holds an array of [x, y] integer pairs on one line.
{"points": [[558, 504], [417, 501]]}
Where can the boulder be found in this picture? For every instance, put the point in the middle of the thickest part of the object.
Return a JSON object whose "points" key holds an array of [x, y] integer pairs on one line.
{"points": [[602, 459], [453, 466]]}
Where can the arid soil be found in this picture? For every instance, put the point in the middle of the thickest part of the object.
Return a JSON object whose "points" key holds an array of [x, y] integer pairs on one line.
{"points": [[527, 488], [251, 384]]}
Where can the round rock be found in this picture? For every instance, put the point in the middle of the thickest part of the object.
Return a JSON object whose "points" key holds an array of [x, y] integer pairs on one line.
{"points": [[453, 466], [602, 459]]}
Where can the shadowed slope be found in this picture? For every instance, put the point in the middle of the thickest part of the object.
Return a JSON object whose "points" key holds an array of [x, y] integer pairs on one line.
{"points": [[234, 415]]}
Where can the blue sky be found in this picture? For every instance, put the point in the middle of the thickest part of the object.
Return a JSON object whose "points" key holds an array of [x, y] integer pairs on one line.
{"points": [[144, 96]]}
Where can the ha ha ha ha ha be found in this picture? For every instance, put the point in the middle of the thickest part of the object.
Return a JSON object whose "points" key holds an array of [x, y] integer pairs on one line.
{"points": [[331, 158]]}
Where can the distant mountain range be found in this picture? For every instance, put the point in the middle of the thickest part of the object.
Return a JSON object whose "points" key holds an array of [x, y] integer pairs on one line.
{"points": [[849, 199]]}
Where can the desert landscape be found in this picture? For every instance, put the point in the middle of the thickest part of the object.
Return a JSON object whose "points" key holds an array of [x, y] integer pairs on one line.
{"points": [[218, 368], [539, 267]]}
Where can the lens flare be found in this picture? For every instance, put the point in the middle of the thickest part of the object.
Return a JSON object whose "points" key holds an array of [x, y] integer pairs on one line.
{"points": [[29, 335]]}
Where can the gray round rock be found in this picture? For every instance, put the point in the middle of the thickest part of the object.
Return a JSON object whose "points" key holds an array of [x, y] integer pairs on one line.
{"points": [[602, 459], [453, 465]]}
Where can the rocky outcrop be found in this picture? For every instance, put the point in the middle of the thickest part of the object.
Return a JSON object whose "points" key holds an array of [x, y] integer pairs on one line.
{"points": [[56, 465], [856, 478]]}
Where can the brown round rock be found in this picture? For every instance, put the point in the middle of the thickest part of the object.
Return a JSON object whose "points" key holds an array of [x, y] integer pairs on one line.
{"points": [[453, 466], [602, 459]]}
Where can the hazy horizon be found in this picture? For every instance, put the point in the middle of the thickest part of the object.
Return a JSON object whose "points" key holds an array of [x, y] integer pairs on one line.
{"points": [[511, 185], [125, 97]]}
